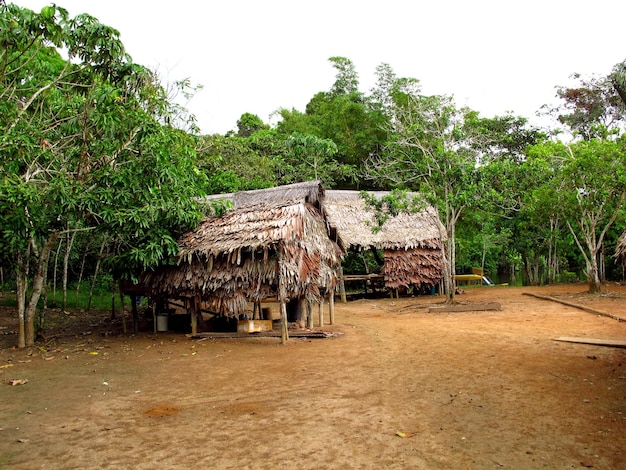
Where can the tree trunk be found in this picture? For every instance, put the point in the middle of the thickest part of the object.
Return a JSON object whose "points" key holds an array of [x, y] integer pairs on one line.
{"points": [[66, 262], [56, 268], [593, 276], [38, 281], [95, 276], [451, 285], [21, 279], [82, 270]]}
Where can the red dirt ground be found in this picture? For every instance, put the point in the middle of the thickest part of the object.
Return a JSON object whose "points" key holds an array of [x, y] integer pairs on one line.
{"points": [[399, 388]]}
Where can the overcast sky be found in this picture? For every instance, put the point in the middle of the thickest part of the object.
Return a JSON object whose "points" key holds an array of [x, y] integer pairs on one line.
{"points": [[257, 56]]}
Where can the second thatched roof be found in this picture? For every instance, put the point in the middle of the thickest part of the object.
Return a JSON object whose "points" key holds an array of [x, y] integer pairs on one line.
{"points": [[354, 221]]}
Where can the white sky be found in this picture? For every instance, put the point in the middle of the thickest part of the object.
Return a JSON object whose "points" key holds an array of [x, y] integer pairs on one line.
{"points": [[260, 55]]}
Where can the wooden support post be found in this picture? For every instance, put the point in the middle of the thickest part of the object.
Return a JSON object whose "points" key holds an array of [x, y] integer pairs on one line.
{"points": [[124, 329], [194, 316], [309, 315], [284, 330], [320, 312], [342, 286], [133, 309], [154, 322], [301, 313], [331, 308]]}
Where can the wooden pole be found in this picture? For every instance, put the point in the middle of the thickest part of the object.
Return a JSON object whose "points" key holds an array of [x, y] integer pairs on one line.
{"points": [[309, 315], [342, 286], [331, 307], [124, 329], [320, 312], [133, 309], [302, 313], [154, 319], [194, 316], [284, 332]]}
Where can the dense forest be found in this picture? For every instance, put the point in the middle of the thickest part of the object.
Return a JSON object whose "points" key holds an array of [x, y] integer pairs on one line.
{"points": [[100, 168]]}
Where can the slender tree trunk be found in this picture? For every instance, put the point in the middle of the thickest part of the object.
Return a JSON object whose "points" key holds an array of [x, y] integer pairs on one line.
{"points": [[21, 279], [82, 270], [95, 274], [512, 280], [56, 265], [38, 281], [452, 215], [66, 262]]}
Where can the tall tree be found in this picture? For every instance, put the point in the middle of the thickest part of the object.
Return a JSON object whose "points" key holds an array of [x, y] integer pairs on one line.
{"points": [[85, 144], [592, 108], [618, 79], [431, 152], [309, 157], [588, 190]]}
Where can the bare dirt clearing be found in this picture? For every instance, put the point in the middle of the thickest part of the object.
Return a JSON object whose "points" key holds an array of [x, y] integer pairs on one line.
{"points": [[465, 390]]}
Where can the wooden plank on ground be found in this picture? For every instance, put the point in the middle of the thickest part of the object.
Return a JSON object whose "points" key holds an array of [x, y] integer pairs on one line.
{"points": [[616, 343], [466, 308]]}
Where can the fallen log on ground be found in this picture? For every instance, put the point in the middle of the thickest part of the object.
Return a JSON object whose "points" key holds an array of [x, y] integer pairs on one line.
{"points": [[616, 343], [579, 306]]}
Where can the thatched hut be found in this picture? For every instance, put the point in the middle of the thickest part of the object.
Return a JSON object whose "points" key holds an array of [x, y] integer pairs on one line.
{"points": [[287, 243], [273, 243], [411, 242]]}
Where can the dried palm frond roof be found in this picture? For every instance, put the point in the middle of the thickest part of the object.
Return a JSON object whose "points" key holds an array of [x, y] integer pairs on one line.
{"points": [[253, 228], [308, 191], [354, 221]]}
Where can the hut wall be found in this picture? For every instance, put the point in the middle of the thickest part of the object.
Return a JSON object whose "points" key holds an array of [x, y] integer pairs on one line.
{"points": [[416, 266]]}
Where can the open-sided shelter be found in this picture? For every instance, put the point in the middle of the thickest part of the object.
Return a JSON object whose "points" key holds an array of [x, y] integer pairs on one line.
{"points": [[411, 242]]}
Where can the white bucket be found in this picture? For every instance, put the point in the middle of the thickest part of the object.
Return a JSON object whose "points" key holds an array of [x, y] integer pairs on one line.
{"points": [[162, 322]]}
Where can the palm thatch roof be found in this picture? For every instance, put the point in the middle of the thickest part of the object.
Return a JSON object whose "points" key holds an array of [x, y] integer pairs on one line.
{"points": [[354, 221], [308, 191], [273, 243]]}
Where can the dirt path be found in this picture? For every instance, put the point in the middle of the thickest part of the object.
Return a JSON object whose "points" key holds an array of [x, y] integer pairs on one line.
{"points": [[466, 390]]}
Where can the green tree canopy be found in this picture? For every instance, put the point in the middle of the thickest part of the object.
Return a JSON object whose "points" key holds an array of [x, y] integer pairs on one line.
{"points": [[85, 145]]}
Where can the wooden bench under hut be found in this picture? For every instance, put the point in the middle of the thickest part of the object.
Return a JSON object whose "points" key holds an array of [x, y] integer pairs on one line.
{"points": [[411, 243], [272, 244]]}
